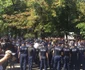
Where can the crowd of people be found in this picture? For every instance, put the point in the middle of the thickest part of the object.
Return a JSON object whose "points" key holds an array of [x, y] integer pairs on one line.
{"points": [[53, 53]]}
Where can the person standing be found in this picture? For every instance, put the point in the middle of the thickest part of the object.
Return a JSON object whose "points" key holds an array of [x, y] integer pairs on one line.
{"points": [[30, 56], [23, 56], [57, 57], [74, 58], [43, 57], [66, 52], [49, 63], [81, 56], [4, 57]]}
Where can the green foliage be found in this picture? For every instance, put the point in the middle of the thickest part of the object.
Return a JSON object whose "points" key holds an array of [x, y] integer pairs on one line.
{"points": [[29, 35], [81, 26], [81, 20], [32, 18]]}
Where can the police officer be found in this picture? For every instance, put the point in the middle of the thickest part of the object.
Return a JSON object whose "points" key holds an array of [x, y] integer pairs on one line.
{"points": [[49, 55], [52, 59], [74, 57], [81, 56], [66, 52], [23, 56], [43, 57], [30, 56], [57, 57]]}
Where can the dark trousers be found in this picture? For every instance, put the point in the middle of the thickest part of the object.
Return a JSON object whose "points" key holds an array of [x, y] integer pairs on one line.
{"points": [[36, 58], [49, 61], [57, 63], [43, 63], [52, 62], [66, 63], [81, 60], [74, 63], [23, 62], [30, 62]]}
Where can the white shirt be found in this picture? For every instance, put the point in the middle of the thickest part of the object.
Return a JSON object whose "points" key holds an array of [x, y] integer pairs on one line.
{"points": [[36, 45]]}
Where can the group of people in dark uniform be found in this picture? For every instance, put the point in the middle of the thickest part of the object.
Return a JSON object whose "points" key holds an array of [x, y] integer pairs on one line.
{"points": [[59, 55], [26, 56], [52, 53]]}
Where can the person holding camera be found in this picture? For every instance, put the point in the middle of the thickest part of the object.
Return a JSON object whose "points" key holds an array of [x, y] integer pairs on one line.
{"points": [[6, 48], [7, 56]]}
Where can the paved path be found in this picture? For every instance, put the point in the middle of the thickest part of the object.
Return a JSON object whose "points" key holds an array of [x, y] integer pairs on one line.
{"points": [[17, 67]]}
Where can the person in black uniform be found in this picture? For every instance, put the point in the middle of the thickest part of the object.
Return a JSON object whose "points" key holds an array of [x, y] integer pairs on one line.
{"points": [[57, 57], [23, 56], [30, 56], [74, 57], [49, 55], [43, 57], [81, 56], [66, 52]]}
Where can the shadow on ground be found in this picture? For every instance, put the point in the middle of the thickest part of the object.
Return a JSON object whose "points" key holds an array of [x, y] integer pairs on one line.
{"points": [[17, 67]]}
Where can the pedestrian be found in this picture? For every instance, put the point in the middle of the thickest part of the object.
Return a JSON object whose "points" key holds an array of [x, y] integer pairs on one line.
{"points": [[49, 63], [81, 56], [57, 57], [23, 56], [74, 57], [66, 52], [30, 56], [43, 57]]}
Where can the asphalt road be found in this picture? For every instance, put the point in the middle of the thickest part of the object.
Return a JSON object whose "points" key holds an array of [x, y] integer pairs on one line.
{"points": [[17, 67]]}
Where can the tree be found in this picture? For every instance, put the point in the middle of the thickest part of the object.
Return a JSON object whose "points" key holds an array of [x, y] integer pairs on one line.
{"points": [[81, 18], [41, 17]]}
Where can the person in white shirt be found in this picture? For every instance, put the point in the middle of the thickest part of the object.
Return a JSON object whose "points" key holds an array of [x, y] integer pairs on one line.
{"points": [[36, 45]]}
